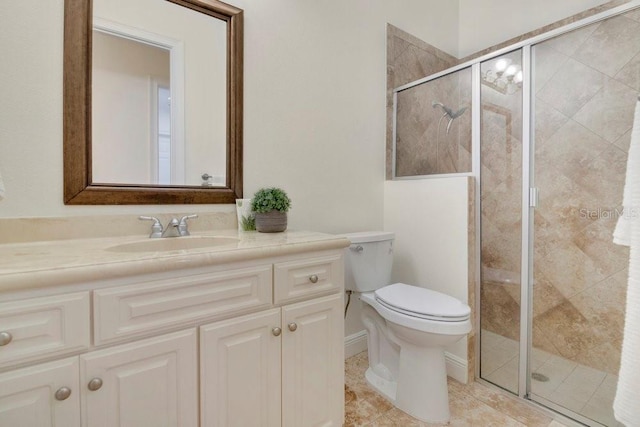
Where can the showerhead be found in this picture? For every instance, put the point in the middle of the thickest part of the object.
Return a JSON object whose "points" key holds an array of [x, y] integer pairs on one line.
{"points": [[448, 112], [458, 113]]}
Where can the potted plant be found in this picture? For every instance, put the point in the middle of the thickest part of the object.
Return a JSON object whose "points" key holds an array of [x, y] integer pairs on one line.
{"points": [[270, 206]]}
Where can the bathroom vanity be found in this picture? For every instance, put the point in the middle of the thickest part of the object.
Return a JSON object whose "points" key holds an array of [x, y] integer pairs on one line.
{"points": [[242, 329]]}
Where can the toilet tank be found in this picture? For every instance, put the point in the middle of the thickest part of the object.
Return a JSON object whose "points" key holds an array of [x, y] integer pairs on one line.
{"points": [[368, 260]]}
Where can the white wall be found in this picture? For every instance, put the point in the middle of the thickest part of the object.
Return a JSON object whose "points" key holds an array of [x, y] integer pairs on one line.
{"points": [[486, 23], [315, 79], [315, 102]]}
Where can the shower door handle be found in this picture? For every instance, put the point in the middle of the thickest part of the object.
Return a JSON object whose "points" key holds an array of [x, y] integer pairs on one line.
{"points": [[534, 195]]}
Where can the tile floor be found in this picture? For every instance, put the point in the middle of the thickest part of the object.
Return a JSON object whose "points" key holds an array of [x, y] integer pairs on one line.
{"points": [[579, 388], [471, 405]]}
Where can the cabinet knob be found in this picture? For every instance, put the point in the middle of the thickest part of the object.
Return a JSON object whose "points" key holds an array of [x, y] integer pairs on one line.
{"points": [[95, 384], [5, 338], [292, 326], [276, 331], [62, 393], [313, 278]]}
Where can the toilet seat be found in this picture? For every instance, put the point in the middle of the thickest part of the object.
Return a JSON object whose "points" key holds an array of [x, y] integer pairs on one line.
{"points": [[422, 303], [415, 322]]}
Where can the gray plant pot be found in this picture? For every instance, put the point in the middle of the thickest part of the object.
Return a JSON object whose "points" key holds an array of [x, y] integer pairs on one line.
{"points": [[271, 222]]}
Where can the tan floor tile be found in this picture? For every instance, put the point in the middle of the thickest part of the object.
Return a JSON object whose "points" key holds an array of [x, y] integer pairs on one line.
{"points": [[469, 411], [470, 405], [508, 405], [478, 405]]}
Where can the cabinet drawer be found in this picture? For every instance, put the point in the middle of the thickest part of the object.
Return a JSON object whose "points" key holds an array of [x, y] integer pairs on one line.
{"points": [[308, 277], [39, 328], [135, 310]]}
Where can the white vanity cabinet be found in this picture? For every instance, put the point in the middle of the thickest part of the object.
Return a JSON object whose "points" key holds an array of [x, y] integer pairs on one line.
{"points": [[255, 342], [280, 367]]}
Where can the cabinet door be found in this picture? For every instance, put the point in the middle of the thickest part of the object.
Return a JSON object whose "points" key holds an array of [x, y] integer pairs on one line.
{"points": [[313, 363], [151, 382], [35, 396], [240, 371]]}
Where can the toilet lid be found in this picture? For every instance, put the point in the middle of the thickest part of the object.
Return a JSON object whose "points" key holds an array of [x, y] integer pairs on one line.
{"points": [[423, 303]]}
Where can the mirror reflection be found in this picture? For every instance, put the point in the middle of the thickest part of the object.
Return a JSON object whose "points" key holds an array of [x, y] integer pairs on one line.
{"points": [[158, 104]]}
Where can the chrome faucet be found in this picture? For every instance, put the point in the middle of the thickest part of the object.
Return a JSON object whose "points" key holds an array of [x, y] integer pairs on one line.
{"points": [[175, 228], [172, 229], [156, 227], [183, 228]]}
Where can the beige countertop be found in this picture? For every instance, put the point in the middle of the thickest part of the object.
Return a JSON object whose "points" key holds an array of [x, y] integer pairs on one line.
{"points": [[42, 264]]}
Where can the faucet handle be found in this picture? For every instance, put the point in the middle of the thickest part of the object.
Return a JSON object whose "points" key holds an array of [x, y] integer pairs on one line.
{"points": [[182, 227], [156, 227]]}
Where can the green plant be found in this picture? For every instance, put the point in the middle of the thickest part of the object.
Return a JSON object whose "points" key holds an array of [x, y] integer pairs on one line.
{"points": [[270, 199], [248, 223]]}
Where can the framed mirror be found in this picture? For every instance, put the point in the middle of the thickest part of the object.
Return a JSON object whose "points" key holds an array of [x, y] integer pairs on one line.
{"points": [[152, 102]]}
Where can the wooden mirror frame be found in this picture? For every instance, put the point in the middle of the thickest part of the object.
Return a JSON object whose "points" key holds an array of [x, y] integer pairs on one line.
{"points": [[78, 187]]}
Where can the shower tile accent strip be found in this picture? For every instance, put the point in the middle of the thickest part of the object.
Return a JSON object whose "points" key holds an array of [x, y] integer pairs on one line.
{"points": [[471, 274]]}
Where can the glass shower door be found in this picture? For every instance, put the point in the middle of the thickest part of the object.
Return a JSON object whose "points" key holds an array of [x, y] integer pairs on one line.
{"points": [[582, 117], [501, 219]]}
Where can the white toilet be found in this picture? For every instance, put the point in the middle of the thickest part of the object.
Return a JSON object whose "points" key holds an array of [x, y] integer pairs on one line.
{"points": [[408, 328]]}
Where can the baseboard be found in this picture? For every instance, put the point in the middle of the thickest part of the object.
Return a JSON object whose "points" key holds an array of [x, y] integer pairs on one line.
{"points": [[456, 367], [355, 343]]}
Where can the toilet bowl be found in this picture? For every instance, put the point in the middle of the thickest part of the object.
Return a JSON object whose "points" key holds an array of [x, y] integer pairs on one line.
{"points": [[408, 328]]}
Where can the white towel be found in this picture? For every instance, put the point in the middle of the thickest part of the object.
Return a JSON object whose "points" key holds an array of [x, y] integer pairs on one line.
{"points": [[626, 407]]}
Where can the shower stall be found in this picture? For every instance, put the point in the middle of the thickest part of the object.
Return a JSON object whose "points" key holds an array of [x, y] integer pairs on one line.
{"points": [[544, 126]]}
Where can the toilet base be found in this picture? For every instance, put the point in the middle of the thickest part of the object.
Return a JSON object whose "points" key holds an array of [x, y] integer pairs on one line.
{"points": [[424, 394], [385, 387], [423, 377]]}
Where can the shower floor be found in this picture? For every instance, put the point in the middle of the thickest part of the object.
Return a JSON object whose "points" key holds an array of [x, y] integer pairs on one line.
{"points": [[579, 388]]}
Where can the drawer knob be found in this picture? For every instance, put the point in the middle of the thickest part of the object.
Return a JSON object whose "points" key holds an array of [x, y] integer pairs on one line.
{"points": [[5, 338], [62, 393], [276, 331], [313, 278], [95, 384], [292, 326]]}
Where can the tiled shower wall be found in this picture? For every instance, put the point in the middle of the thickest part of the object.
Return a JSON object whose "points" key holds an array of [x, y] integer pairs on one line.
{"points": [[409, 59], [426, 142]]}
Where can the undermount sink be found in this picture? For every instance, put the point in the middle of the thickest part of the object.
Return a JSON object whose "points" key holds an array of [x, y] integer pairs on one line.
{"points": [[173, 244]]}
